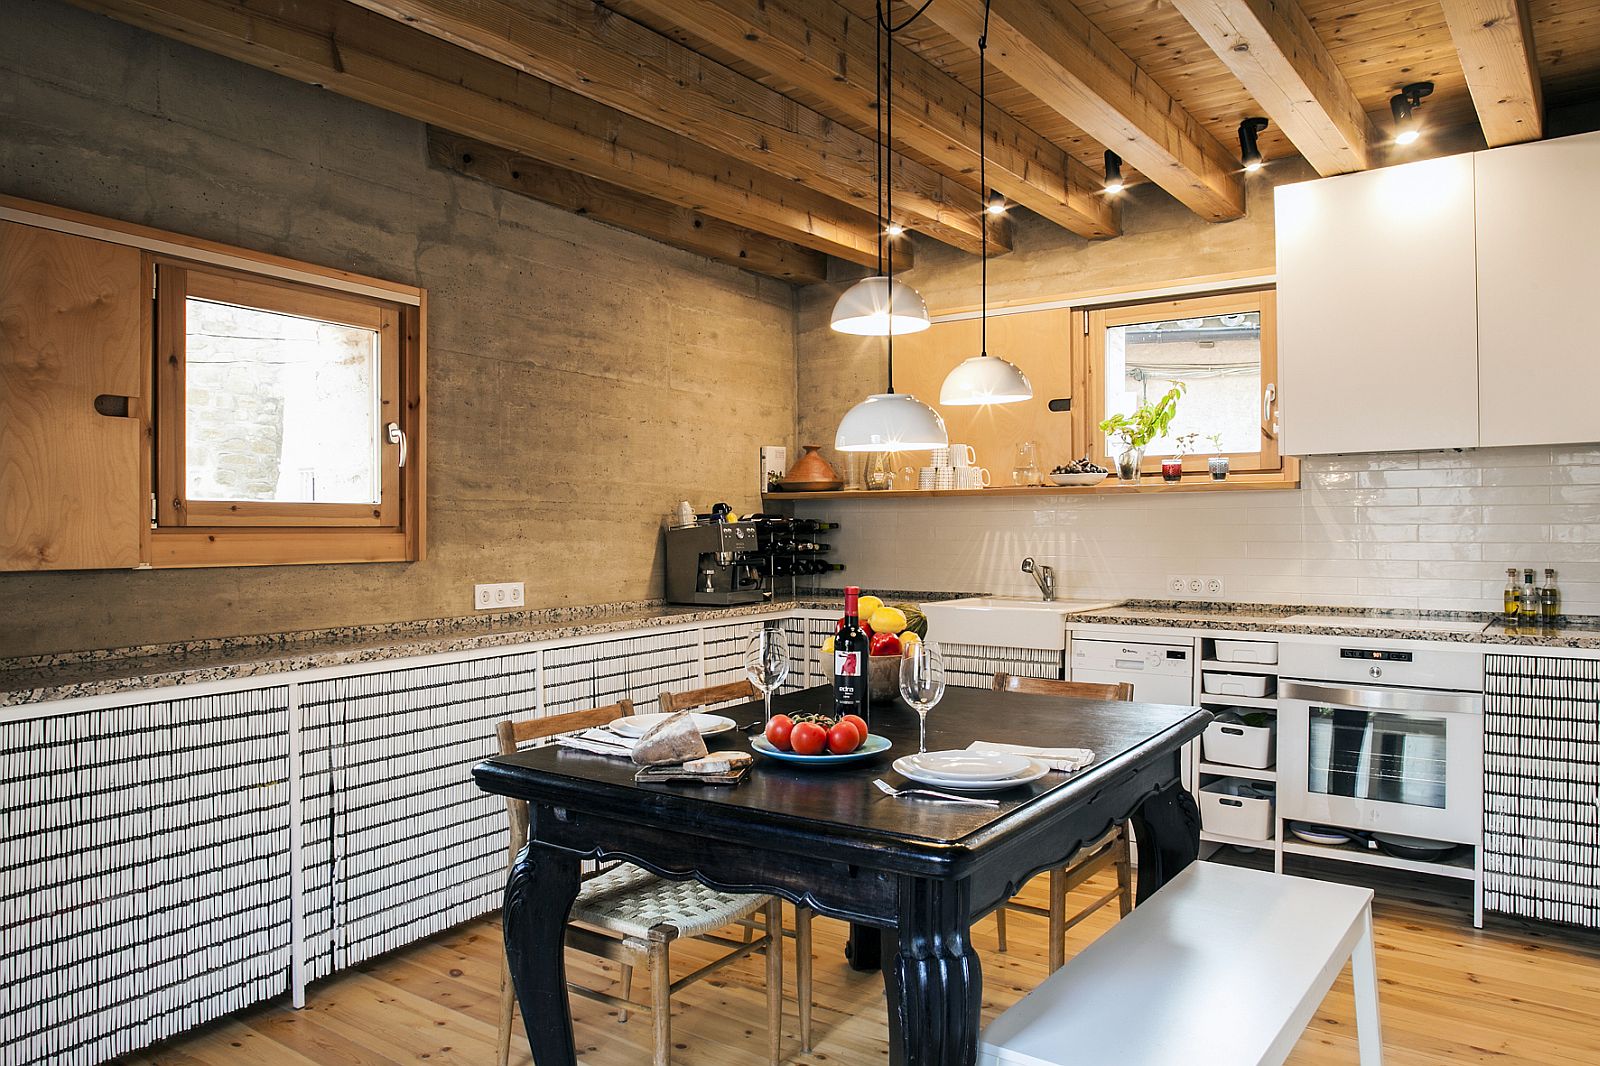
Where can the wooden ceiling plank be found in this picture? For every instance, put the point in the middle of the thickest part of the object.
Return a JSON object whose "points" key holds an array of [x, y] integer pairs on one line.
{"points": [[613, 60], [1049, 48], [373, 59], [1272, 48], [645, 215], [1495, 41], [825, 50]]}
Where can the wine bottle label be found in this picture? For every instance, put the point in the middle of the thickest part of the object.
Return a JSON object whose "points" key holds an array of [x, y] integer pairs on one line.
{"points": [[846, 664]]}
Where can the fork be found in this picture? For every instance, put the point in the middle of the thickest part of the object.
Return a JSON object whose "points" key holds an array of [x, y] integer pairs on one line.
{"points": [[942, 797]]}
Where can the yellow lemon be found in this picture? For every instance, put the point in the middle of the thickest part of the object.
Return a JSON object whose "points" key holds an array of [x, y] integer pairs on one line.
{"points": [[887, 620], [866, 606], [827, 646], [908, 638]]}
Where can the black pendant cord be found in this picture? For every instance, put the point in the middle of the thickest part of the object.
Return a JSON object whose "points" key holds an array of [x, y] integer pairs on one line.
{"points": [[877, 159], [983, 183], [888, 155]]}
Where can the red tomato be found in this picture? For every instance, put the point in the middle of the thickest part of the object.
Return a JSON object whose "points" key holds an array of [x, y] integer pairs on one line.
{"points": [[843, 738], [808, 738], [884, 644], [778, 730], [860, 724]]}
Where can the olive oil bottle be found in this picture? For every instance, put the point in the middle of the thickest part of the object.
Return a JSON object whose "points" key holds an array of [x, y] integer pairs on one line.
{"points": [[1549, 599], [1513, 597]]}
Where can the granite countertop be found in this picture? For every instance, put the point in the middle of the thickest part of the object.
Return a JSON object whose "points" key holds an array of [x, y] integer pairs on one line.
{"points": [[1456, 627], [36, 679]]}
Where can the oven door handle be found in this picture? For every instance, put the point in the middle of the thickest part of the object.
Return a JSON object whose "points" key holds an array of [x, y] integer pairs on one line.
{"points": [[1382, 699]]}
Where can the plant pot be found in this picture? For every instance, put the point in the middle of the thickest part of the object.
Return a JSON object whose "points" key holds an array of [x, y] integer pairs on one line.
{"points": [[1128, 464], [1171, 470], [1218, 465]]}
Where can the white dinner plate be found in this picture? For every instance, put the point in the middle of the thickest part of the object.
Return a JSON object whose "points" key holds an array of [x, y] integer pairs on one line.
{"points": [[958, 765], [638, 725], [911, 773]]}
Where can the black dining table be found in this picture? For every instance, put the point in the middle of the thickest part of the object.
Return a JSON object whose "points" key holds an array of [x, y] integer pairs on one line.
{"points": [[910, 875]]}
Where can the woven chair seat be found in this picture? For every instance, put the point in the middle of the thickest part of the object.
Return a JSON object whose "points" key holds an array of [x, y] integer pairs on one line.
{"points": [[629, 901]]}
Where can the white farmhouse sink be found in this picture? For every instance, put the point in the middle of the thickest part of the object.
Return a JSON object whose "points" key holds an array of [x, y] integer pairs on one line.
{"points": [[1006, 621]]}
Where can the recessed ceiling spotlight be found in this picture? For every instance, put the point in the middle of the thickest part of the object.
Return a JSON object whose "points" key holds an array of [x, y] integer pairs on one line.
{"points": [[1403, 105], [1249, 151], [1114, 182]]}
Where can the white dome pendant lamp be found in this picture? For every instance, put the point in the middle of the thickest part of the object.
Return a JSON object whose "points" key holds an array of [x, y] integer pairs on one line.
{"points": [[985, 379], [886, 421], [880, 306]]}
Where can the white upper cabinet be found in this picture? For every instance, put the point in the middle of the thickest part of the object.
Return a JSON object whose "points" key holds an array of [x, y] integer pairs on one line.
{"points": [[1377, 320], [1539, 292]]}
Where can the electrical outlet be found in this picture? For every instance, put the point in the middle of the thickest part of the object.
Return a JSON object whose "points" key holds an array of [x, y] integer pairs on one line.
{"points": [[1197, 586], [1214, 586], [501, 596], [1178, 586]]}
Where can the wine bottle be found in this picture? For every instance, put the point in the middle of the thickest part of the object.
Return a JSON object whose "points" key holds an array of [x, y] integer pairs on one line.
{"points": [[851, 653]]}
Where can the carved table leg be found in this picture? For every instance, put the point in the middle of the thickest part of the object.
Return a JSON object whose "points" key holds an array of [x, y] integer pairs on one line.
{"points": [[934, 982], [1167, 826], [539, 894]]}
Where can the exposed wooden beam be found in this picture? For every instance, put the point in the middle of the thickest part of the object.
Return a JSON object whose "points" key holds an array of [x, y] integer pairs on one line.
{"points": [[827, 51], [1051, 49], [379, 61], [1272, 48], [644, 215], [1495, 39], [599, 54]]}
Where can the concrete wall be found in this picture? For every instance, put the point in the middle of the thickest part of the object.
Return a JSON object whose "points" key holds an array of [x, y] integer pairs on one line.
{"points": [[582, 380]]}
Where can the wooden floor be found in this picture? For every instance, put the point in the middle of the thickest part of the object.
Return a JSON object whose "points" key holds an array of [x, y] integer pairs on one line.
{"points": [[1509, 995]]}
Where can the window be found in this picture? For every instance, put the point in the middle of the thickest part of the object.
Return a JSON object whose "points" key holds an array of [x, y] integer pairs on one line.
{"points": [[1222, 349], [280, 410]]}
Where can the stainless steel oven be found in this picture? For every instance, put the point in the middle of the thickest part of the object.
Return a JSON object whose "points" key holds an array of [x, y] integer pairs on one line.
{"points": [[1361, 748]]}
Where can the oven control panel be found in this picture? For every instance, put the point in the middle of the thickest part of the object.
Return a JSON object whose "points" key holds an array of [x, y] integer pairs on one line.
{"points": [[1383, 662]]}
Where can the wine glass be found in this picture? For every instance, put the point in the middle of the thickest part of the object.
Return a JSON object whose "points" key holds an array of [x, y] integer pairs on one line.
{"points": [[922, 682], [766, 662]]}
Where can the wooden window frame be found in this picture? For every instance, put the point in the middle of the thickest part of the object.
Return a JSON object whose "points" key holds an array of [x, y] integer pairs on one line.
{"points": [[187, 532], [1091, 332]]}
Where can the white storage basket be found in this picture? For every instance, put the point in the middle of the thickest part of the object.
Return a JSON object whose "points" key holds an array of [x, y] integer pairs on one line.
{"points": [[1247, 651], [1237, 744], [1235, 808], [1216, 684]]}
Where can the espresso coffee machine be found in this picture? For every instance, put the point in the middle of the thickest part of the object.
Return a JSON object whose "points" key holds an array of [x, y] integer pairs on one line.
{"points": [[712, 563]]}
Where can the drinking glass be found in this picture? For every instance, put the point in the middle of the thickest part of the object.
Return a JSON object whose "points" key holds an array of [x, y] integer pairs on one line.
{"points": [[766, 663], [922, 682]]}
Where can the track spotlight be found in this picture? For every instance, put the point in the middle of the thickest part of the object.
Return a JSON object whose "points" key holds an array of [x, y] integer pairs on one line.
{"points": [[1403, 105], [1114, 183], [1249, 151]]}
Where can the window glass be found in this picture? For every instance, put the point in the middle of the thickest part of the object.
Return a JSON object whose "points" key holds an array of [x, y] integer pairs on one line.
{"points": [[1218, 358], [279, 408]]}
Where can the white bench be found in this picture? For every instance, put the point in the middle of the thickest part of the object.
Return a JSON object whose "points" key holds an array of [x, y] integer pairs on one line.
{"points": [[1223, 966]]}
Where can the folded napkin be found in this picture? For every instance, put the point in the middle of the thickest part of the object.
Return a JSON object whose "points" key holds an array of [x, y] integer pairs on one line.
{"points": [[599, 742], [1068, 759]]}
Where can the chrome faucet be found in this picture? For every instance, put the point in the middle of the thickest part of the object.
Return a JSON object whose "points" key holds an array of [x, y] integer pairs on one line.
{"points": [[1044, 574]]}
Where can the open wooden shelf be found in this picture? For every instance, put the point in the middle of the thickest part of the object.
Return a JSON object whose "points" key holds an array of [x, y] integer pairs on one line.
{"points": [[1110, 487]]}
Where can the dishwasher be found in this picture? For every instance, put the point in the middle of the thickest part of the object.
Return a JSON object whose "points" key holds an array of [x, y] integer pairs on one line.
{"points": [[1159, 673]]}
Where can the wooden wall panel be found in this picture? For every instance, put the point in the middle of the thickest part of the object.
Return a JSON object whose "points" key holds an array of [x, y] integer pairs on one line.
{"points": [[71, 322], [1039, 342]]}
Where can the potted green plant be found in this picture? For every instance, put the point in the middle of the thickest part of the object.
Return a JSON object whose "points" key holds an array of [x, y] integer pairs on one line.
{"points": [[1217, 464], [1135, 431]]}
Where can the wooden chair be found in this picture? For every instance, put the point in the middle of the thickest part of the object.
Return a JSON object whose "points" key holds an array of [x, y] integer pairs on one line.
{"points": [[1111, 850], [631, 916], [744, 691]]}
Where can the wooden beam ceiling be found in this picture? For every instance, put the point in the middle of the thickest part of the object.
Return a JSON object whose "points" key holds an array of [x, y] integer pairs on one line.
{"points": [[1051, 49], [1272, 48], [644, 215], [1495, 39], [613, 60], [379, 61], [826, 51]]}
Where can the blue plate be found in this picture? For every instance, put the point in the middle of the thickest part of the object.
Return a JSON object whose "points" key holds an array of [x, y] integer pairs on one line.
{"points": [[872, 746]]}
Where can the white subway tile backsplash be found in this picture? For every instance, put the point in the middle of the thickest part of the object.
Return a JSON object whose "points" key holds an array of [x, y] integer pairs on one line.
{"points": [[1426, 530]]}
